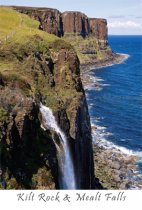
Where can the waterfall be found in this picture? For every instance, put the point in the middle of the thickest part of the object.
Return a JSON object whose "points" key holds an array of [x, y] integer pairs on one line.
{"points": [[66, 168]]}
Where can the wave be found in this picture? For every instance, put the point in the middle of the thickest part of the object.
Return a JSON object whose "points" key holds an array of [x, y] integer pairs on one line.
{"points": [[99, 135], [95, 83], [125, 57], [134, 175]]}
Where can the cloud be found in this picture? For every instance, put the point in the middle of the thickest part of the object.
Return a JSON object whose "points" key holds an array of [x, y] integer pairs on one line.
{"points": [[125, 24], [116, 16], [131, 15], [139, 17]]}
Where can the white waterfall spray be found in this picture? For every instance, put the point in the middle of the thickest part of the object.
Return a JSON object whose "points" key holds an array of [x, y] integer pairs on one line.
{"points": [[67, 175]]}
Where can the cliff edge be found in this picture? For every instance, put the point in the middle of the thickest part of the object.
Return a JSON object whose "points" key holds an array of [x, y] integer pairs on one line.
{"points": [[36, 67], [89, 36]]}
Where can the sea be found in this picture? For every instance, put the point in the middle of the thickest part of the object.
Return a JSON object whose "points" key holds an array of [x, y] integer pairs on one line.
{"points": [[115, 99]]}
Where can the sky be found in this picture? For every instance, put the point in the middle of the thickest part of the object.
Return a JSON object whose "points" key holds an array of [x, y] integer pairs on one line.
{"points": [[124, 16]]}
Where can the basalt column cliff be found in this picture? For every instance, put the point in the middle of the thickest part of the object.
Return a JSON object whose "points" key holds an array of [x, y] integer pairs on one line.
{"points": [[75, 23], [37, 68], [55, 22], [87, 35]]}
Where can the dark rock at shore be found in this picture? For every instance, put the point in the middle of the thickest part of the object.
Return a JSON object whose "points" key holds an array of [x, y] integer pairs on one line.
{"points": [[115, 165], [110, 59], [115, 172]]}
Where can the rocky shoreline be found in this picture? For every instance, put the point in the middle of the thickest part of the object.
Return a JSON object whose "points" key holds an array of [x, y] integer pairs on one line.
{"points": [[115, 58], [113, 168], [88, 80], [116, 170]]}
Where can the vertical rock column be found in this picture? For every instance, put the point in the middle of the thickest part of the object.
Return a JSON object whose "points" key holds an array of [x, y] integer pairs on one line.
{"points": [[75, 23], [98, 29], [83, 148]]}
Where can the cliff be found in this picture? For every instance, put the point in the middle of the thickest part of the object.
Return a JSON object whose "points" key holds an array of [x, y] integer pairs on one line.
{"points": [[35, 67], [50, 20], [75, 23], [87, 35], [98, 28], [69, 22]]}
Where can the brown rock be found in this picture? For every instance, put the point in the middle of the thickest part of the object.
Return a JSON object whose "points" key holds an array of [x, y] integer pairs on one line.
{"points": [[98, 28], [55, 22], [116, 178], [75, 22], [49, 19], [115, 165], [130, 160], [123, 186]]}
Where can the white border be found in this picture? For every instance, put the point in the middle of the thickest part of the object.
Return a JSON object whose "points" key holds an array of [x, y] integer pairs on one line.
{"points": [[120, 200]]}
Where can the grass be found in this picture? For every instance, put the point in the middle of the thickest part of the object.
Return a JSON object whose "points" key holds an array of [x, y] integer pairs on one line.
{"points": [[3, 114], [11, 22], [88, 44], [20, 40], [14, 26], [19, 29]]}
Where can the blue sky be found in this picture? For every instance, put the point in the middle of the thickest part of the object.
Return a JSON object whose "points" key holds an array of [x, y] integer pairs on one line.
{"points": [[124, 16]]}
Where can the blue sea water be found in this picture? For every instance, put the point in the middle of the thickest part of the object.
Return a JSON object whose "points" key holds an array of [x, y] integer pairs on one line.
{"points": [[116, 108]]}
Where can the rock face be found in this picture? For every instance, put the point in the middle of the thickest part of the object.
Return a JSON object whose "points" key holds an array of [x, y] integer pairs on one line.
{"points": [[22, 148], [117, 171], [75, 22], [98, 28], [50, 19], [27, 149], [60, 24], [89, 36], [40, 68], [76, 111], [83, 147]]}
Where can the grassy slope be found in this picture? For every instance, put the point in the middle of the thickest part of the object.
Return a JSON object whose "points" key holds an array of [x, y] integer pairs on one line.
{"points": [[20, 39], [16, 26], [19, 35], [88, 44]]}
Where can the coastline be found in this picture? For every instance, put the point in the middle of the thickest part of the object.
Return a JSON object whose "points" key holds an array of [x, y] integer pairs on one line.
{"points": [[119, 170], [93, 82], [115, 58], [116, 169]]}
